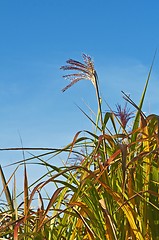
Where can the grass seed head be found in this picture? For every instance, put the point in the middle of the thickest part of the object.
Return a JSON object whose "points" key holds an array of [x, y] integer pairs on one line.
{"points": [[85, 71]]}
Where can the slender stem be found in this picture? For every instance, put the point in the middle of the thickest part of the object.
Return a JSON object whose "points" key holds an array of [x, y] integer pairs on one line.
{"points": [[99, 100], [100, 113]]}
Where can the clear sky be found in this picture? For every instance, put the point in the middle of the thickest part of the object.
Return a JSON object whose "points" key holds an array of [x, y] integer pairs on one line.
{"points": [[37, 37]]}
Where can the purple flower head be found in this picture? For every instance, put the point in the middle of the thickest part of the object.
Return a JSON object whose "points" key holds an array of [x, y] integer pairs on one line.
{"points": [[124, 114], [84, 70]]}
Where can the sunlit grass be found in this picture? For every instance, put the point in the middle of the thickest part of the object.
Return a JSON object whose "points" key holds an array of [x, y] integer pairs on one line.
{"points": [[108, 187]]}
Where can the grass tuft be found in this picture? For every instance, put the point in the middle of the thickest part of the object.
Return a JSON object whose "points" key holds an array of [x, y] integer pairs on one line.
{"points": [[108, 187]]}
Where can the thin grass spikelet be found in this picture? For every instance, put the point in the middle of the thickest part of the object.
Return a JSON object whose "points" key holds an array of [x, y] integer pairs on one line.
{"points": [[85, 71], [124, 114]]}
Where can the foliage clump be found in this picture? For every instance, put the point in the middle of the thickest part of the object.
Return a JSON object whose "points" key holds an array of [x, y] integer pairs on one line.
{"points": [[113, 191]]}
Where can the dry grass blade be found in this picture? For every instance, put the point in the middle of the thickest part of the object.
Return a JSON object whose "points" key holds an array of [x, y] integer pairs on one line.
{"points": [[90, 234], [52, 200]]}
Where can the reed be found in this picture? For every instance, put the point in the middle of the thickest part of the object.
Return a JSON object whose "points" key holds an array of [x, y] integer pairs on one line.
{"points": [[110, 190]]}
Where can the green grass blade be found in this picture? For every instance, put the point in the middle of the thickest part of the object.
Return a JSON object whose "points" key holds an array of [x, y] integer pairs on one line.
{"points": [[136, 121], [6, 190]]}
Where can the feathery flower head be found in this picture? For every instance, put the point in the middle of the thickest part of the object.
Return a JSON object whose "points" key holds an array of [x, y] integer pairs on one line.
{"points": [[124, 114], [85, 71]]}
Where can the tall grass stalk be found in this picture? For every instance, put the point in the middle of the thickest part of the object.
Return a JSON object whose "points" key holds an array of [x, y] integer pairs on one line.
{"points": [[109, 191]]}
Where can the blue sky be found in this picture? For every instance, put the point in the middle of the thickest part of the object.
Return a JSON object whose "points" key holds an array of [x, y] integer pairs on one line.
{"points": [[37, 37]]}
